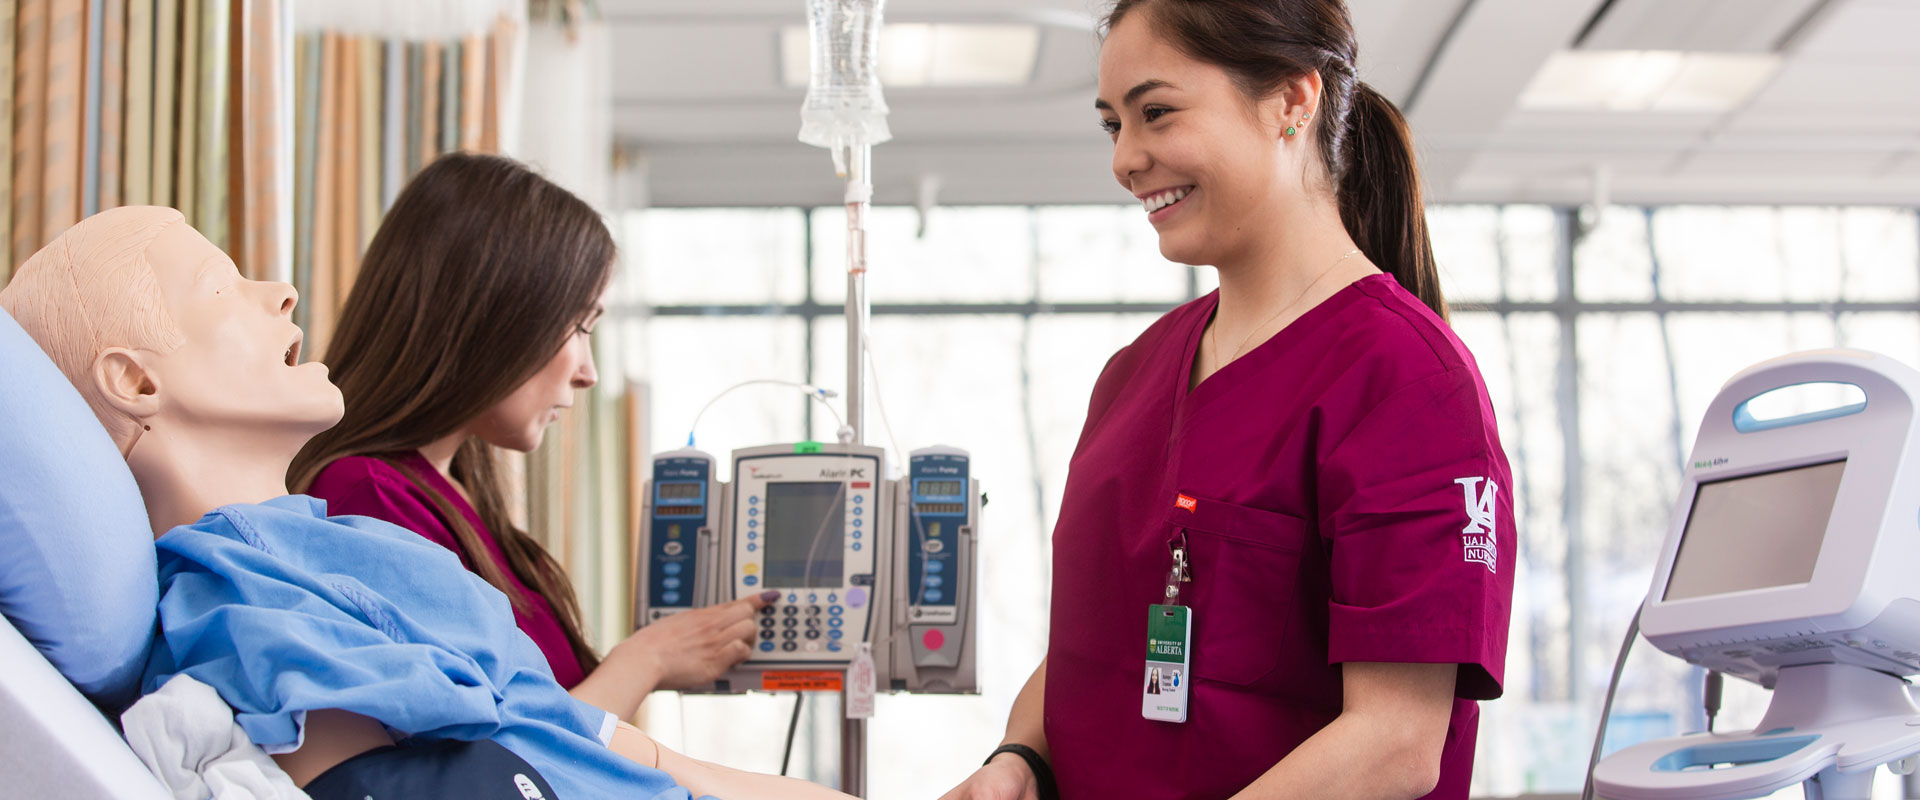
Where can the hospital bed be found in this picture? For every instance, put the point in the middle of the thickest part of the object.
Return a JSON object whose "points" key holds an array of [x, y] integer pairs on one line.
{"points": [[53, 742]]}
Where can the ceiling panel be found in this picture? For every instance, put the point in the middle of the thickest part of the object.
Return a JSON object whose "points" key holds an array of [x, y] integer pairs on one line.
{"points": [[1398, 38], [1782, 164], [1722, 26], [697, 91], [702, 61], [1863, 29]]}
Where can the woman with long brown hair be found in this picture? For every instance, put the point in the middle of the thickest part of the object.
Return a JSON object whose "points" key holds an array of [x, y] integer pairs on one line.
{"points": [[1289, 507], [467, 331]]}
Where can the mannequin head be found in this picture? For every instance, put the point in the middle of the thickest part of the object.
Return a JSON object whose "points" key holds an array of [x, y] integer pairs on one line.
{"points": [[165, 339], [91, 289]]}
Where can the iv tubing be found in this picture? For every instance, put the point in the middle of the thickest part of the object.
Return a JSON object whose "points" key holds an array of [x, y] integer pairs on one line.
{"points": [[812, 391]]}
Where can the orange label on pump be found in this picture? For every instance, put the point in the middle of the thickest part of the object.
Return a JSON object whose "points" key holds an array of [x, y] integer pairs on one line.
{"points": [[801, 681], [1186, 502]]}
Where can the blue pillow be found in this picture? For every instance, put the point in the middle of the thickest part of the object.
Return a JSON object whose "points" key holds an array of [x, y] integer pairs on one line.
{"points": [[76, 552]]}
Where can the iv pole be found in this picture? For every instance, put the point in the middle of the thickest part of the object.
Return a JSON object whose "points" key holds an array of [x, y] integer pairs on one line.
{"points": [[845, 113], [853, 731]]}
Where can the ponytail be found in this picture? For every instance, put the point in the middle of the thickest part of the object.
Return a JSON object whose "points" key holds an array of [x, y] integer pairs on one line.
{"points": [[1379, 197]]}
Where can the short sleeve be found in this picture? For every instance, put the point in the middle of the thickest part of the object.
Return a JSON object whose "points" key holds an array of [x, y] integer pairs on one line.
{"points": [[357, 487], [1416, 505]]}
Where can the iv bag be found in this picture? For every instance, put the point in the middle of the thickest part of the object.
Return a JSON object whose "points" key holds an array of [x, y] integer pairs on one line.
{"points": [[844, 108]]}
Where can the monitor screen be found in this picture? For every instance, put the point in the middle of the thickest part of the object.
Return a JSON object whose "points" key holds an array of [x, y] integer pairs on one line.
{"points": [[1754, 532], [679, 491], [806, 528]]}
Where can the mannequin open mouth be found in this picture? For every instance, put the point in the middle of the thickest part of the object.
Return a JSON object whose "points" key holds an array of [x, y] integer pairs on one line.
{"points": [[293, 353]]}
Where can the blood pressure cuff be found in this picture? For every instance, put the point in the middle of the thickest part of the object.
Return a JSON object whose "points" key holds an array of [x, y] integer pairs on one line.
{"points": [[479, 770]]}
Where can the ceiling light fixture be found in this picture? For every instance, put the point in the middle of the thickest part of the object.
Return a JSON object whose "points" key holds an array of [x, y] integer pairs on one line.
{"points": [[1647, 80], [934, 54]]}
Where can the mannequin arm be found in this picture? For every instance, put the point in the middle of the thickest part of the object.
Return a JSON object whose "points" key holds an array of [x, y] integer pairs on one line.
{"points": [[331, 737], [702, 778]]}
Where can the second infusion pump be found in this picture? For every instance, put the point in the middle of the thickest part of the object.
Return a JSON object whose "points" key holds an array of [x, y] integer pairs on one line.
{"points": [[859, 559]]}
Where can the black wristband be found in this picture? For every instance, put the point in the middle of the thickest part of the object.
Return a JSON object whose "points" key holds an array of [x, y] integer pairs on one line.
{"points": [[1042, 773]]}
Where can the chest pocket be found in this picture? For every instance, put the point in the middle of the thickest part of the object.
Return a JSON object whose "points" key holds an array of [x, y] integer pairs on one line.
{"points": [[1245, 567]]}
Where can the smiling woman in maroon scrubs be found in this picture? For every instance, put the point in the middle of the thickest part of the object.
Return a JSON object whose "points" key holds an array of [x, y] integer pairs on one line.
{"points": [[1312, 442]]}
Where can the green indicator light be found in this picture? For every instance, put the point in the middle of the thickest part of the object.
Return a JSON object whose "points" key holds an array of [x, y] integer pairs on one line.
{"points": [[807, 448]]}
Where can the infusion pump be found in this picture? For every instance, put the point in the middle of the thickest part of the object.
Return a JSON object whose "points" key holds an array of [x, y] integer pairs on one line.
{"points": [[858, 559]]}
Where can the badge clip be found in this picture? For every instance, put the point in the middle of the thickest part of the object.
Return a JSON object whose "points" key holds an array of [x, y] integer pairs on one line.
{"points": [[1181, 572]]}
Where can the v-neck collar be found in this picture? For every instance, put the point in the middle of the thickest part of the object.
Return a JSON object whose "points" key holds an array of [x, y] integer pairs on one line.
{"points": [[1188, 402]]}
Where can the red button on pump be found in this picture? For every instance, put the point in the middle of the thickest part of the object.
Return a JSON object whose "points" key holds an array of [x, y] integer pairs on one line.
{"points": [[934, 640]]}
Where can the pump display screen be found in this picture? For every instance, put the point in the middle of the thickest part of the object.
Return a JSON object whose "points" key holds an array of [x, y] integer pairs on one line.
{"points": [[940, 488], [806, 528], [679, 491], [1755, 532]]}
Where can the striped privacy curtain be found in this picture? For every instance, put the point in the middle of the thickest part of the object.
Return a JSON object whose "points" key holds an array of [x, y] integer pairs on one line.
{"points": [[146, 102], [368, 113]]}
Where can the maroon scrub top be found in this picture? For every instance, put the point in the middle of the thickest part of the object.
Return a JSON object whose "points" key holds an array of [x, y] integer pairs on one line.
{"points": [[1350, 502], [369, 487]]}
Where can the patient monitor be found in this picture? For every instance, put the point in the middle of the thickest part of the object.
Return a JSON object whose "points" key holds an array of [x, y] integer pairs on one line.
{"points": [[859, 560], [1793, 560]]}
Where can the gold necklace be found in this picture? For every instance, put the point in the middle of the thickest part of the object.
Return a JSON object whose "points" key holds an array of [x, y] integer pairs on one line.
{"points": [[1213, 330]]}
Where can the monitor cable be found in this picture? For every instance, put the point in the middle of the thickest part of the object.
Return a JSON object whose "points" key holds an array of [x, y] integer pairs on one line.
{"points": [[793, 723], [1710, 696], [1606, 709]]}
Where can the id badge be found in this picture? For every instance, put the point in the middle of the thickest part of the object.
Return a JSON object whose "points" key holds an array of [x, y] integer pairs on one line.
{"points": [[1163, 695]]}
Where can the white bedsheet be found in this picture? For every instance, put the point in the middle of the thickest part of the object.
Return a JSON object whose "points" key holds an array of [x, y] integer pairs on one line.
{"points": [[186, 735]]}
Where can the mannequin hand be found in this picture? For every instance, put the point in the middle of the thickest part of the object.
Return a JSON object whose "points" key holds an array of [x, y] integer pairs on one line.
{"points": [[1006, 777], [695, 647]]}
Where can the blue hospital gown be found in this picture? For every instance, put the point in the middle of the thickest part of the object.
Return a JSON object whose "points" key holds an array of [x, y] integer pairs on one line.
{"points": [[283, 611]]}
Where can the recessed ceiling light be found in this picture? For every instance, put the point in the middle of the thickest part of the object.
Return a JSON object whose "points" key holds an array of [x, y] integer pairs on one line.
{"points": [[940, 54], [1647, 80]]}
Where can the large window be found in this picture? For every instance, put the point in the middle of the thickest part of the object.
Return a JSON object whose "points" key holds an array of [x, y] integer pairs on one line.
{"points": [[1601, 339]]}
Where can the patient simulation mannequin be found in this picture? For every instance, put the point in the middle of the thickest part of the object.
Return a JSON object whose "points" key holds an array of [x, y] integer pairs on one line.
{"points": [[195, 372]]}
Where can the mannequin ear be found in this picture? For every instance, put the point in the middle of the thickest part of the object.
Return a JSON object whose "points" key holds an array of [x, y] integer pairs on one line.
{"points": [[126, 383]]}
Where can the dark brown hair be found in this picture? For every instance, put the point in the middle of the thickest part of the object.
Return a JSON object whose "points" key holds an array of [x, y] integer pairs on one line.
{"points": [[1364, 142], [477, 276]]}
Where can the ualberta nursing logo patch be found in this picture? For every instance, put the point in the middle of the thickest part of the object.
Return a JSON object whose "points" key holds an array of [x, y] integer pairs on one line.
{"points": [[1477, 537]]}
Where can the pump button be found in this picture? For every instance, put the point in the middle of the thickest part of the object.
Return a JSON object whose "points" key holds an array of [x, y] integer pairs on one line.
{"points": [[934, 640]]}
